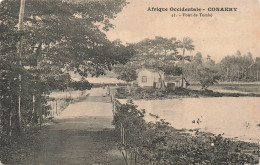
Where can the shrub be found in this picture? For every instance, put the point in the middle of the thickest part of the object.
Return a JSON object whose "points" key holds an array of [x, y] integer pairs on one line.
{"points": [[159, 143]]}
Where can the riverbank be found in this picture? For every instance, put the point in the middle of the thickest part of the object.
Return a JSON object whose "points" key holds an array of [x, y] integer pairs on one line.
{"points": [[228, 87], [160, 143], [153, 93], [233, 117]]}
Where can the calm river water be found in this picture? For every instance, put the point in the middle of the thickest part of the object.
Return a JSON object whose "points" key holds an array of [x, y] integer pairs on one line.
{"points": [[235, 117]]}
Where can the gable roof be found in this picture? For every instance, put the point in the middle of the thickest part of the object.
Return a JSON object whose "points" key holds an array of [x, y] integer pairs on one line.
{"points": [[150, 70], [172, 79]]}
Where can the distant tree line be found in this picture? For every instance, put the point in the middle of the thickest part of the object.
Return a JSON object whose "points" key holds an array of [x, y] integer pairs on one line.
{"points": [[174, 57], [237, 67]]}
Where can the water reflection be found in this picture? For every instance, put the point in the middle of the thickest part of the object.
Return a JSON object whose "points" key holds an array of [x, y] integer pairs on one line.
{"points": [[235, 117]]}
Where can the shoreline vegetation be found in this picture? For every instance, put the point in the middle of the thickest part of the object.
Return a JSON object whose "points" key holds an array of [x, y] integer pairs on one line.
{"points": [[160, 143], [152, 93]]}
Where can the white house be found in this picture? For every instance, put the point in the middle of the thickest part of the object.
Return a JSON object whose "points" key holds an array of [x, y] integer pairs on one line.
{"points": [[150, 78]]}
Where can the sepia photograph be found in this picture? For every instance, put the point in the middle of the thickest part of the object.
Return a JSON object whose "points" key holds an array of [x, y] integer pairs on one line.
{"points": [[129, 82]]}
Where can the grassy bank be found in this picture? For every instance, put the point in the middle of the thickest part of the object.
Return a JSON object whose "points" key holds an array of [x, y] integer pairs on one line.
{"points": [[20, 147], [160, 143], [152, 93], [231, 87], [28, 148], [17, 148]]}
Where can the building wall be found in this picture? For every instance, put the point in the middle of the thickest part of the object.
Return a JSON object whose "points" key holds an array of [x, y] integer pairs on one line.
{"points": [[147, 74], [151, 78], [177, 83]]}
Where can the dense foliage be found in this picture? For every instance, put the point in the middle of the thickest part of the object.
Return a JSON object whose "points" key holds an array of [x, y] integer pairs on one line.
{"points": [[158, 53], [237, 67], [153, 93], [125, 72], [57, 36], [170, 56], [208, 77], [159, 143]]}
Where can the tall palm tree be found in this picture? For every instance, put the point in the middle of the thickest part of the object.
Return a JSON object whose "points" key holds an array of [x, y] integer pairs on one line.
{"points": [[186, 44]]}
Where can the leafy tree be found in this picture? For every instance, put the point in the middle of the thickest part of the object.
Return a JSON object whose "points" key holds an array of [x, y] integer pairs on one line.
{"points": [[186, 44], [173, 70], [158, 46], [50, 27], [158, 53], [81, 85], [208, 77], [198, 58], [237, 67], [191, 69], [58, 36], [125, 72]]}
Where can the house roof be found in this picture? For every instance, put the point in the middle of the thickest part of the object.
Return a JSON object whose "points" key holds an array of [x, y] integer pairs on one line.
{"points": [[150, 70], [172, 79]]}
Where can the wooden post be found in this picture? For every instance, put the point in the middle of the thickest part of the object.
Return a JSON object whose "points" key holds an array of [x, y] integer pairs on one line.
{"points": [[183, 53], [227, 74], [53, 110], [40, 112], [20, 26], [21, 15], [113, 107], [126, 155], [257, 76], [11, 114], [123, 136], [135, 159], [10, 123], [121, 131], [125, 158], [33, 102], [56, 107]]}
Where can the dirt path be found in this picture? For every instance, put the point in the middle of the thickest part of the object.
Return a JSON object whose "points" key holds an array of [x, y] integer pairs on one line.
{"points": [[81, 135]]}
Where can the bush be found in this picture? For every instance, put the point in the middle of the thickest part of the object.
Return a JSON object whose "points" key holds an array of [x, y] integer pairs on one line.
{"points": [[159, 143]]}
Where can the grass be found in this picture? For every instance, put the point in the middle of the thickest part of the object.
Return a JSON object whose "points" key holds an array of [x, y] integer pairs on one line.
{"points": [[48, 146], [159, 143], [20, 147], [232, 87], [152, 93]]}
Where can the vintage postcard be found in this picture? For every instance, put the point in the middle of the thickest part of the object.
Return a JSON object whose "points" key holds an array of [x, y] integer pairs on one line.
{"points": [[114, 82]]}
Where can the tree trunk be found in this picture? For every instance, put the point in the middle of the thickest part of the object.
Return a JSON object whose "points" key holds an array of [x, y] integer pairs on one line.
{"points": [[40, 111], [11, 115], [182, 75], [20, 26], [162, 81]]}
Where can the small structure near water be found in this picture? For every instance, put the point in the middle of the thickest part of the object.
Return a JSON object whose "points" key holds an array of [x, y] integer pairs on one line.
{"points": [[155, 78], [173, 82], [150, 78]]}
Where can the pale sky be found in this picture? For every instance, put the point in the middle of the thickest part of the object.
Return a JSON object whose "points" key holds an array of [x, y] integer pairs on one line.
{"points": [[220, 35]]}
